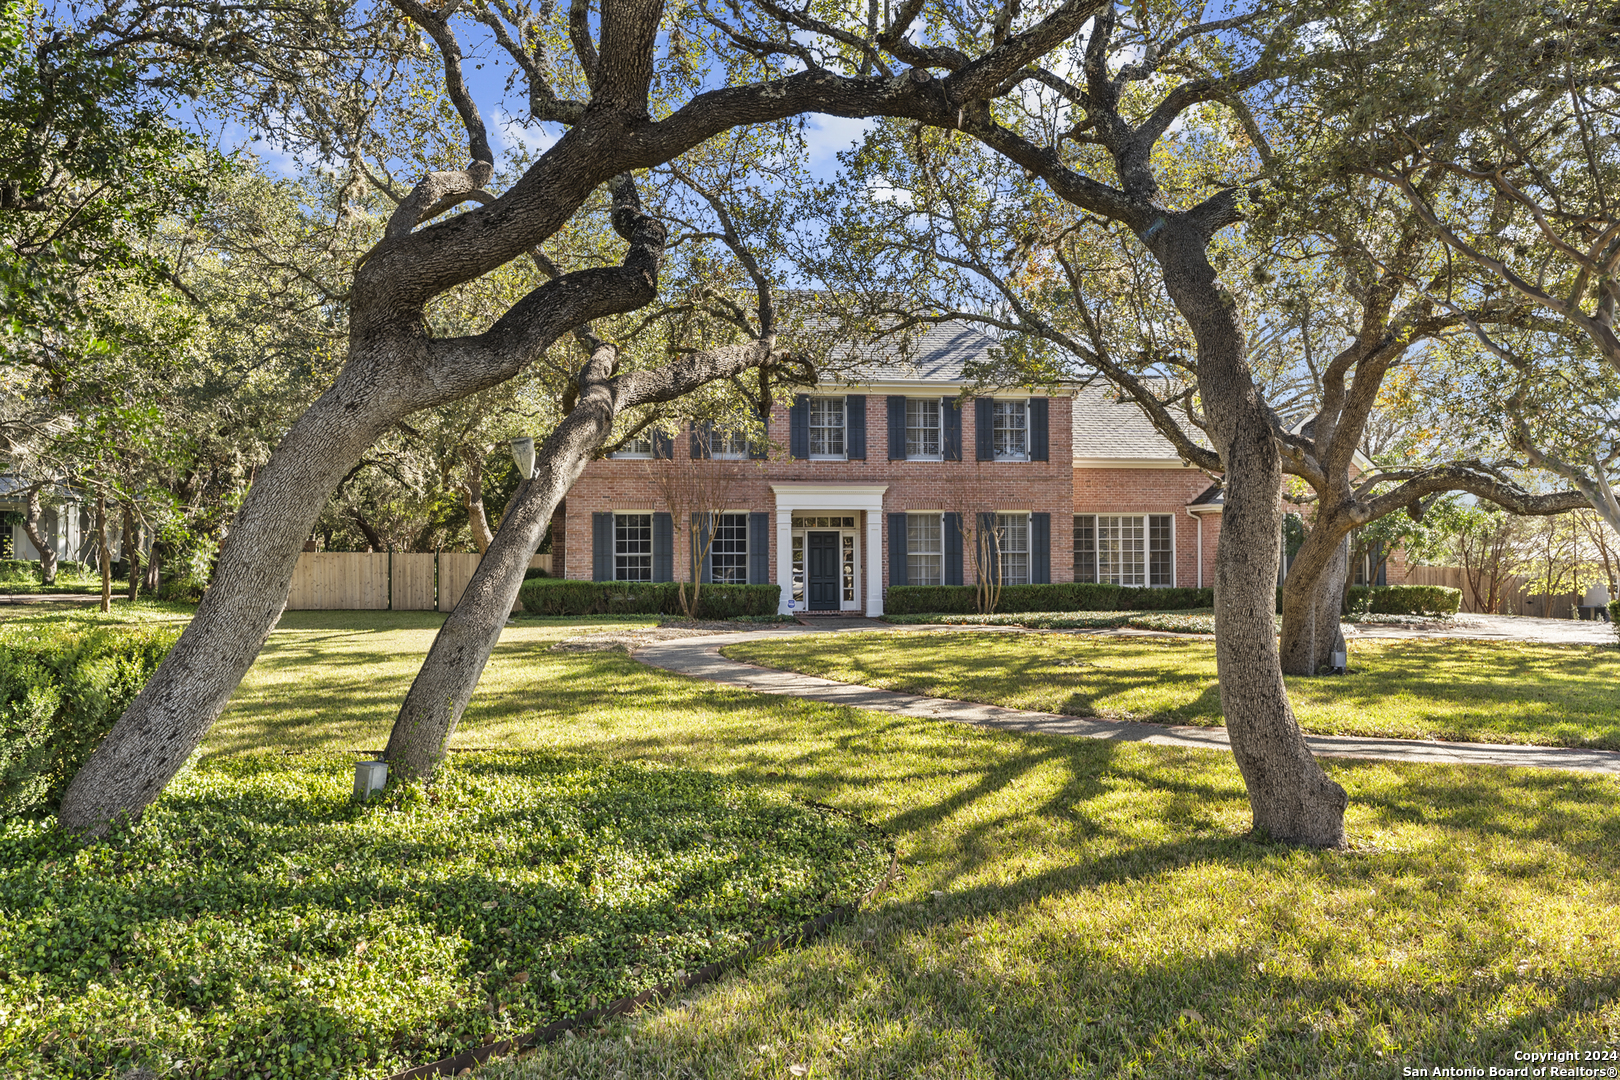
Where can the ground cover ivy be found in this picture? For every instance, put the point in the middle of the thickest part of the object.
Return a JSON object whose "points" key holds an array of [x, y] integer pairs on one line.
{"points": [[256, 923]]}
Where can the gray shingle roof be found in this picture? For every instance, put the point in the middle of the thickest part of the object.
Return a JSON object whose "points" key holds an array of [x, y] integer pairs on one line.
{"points": [[1107, 426], [937, 354]]}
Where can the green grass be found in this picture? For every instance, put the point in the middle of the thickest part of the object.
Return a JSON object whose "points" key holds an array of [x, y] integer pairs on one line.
{"points": [[1504, 692], [259, 922], [1069, 907]]}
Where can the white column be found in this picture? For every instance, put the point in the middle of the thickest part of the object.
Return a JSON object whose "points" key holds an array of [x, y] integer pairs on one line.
{"points": [[874, 563], [784, 555]]}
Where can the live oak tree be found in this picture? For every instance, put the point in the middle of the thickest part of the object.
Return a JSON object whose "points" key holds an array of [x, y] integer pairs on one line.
{"points": [[603, 93]]}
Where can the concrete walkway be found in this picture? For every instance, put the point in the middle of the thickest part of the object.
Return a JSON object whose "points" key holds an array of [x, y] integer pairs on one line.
{"points": [[700, 657]]}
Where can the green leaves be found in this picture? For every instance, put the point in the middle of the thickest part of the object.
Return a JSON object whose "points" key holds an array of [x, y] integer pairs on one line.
{"points": [[258, 920]]}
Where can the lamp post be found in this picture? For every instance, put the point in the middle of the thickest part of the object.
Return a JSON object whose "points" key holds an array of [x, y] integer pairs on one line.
{"points": [[523, 455]]}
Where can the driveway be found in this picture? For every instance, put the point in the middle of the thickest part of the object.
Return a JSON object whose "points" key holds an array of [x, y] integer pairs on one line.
{"points": [[700, 657], [1496, 628]]}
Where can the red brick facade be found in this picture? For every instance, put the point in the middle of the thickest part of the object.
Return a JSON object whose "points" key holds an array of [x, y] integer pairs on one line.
{"points": [[969, 487]]}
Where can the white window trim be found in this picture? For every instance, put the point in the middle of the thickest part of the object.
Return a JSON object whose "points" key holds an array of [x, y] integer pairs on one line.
{"points": [[634, 455], [810, 428], [1147, 553], [939, 414], [1024, 402], [652, 528], [939, 515]]}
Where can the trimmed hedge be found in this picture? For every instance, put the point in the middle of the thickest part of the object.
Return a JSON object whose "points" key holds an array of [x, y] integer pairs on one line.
{"points": [[1434, 600], [61, 690], [560, 596], [1078, 596], [1614, 618]]}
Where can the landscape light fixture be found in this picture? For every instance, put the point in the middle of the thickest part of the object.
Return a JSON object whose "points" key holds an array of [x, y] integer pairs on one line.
{"points": [[370, 777], [523, 454]]}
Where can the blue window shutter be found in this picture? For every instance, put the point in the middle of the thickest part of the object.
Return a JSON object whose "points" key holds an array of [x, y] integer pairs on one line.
{"points": [[897, 427], [986, 545], [953, 543], [984, 442], [897, 550], [602, 547], [855, 427], [953, 430], [663, 446], [663, 541], [1040, 549], [799, 427], [704, 530], [1039, 413], [759, 448], [759, 549]]}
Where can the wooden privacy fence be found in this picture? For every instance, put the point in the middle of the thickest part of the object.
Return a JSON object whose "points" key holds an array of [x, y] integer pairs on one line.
{"points": [[407, 581], [1513, 592]]}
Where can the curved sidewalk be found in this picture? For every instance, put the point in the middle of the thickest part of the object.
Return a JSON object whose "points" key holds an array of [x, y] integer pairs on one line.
{"points": [[700, 657]]}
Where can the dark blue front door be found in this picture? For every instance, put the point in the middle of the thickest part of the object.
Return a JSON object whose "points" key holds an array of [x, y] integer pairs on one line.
{"points": [[821, 570]]}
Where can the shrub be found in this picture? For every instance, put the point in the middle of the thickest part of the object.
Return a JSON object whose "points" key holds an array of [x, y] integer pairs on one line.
{"points": [[535, 572], [1614, 618], [1433, 600], [1076, 596], [61, 689], [19, 572], [560, 596]]}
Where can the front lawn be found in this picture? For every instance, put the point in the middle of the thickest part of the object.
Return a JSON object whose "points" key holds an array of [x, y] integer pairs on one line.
{"points": [[1470, 691], [1070, 907], [257, 922]]}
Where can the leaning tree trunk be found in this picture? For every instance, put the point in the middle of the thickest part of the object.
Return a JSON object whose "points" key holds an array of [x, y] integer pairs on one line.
{"points": [[1312, 600], [456, 661], [47, 554], [1292, 798], [169, 717]]}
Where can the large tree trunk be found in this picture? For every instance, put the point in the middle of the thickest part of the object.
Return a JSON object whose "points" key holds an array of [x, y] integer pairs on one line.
{"points": [[1312, 600], [47, 553], [1292, 798], [167, 720]]}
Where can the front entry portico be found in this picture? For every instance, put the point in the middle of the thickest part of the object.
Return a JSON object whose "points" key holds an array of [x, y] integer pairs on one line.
{"points": [[826, 535]]}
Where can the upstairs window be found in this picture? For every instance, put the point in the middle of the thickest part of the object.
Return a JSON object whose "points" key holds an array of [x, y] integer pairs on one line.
{"points": [[632, 547], [827, 428], [728, 445], [1009, 426], [640, 447], [924, 429]]}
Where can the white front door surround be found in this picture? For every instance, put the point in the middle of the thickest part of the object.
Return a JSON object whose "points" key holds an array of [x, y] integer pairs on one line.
{"points": [[828, 498]]}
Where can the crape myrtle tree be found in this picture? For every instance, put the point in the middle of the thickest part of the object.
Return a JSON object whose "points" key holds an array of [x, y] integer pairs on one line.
{"points": [[633, 89]]}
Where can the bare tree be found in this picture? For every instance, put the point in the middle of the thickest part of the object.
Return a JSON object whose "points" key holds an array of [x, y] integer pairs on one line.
{"points": [[695, 492]]}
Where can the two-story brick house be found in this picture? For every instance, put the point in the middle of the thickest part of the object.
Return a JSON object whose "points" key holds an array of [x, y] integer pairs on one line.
{"points": [[890, 479]]}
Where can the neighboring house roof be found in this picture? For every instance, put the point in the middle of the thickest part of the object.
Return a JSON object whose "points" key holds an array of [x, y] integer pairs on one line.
{"points": [[938, 354], [1108, 426], [1210, 500]]}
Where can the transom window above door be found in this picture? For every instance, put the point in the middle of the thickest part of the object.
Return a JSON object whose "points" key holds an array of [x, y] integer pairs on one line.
{"points": [[823, 522], [827, 427]]}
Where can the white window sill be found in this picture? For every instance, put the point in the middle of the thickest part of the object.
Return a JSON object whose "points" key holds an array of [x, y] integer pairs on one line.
{"points": [[829, 457], [630, 457], [1012, 457], [728, 457], [925, 457]]}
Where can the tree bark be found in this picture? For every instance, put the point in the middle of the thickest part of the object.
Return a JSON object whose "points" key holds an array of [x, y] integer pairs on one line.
{"points": [[1291, 797], [450, 674], [132, 551], [1312, 601], [47, 554], [472, 490], [105, 559]]}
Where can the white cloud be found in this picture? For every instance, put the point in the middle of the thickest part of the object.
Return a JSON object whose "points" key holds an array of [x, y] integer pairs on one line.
{"points": [[825, 135]]}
